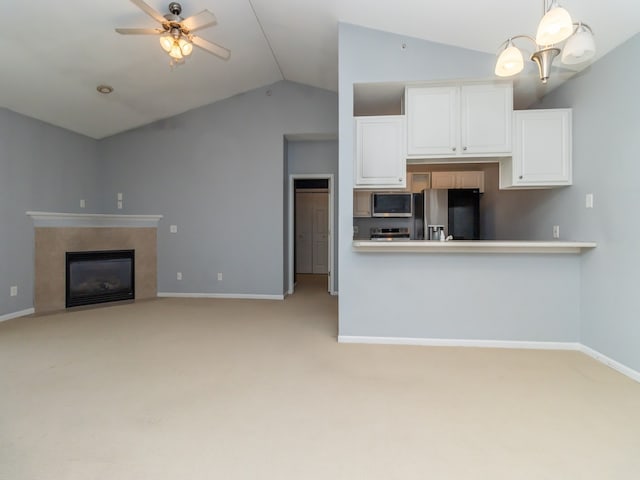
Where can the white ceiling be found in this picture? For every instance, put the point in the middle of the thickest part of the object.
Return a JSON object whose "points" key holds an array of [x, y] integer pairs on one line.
{"points": [[56, 53]]}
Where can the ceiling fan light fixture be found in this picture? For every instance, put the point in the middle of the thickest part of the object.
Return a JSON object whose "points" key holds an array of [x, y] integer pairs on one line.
{"points": [[176, 35], [510, 62], [580, 47], [186, 47], [555, 26], [175, 51], [166, 42]]}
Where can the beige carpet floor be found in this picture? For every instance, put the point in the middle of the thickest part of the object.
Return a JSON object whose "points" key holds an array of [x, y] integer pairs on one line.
{"points": [[186, 389]]}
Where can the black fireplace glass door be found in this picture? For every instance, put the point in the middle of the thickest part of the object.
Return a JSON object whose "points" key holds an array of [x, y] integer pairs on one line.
{"points": [[97, 277]]}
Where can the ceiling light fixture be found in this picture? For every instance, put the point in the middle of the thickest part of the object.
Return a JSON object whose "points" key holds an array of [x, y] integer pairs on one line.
{"points": [[555, 27], [104, 89]]}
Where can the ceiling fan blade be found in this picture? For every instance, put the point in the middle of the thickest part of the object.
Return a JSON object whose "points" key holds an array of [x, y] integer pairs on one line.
{"points": [[152, 12], [139, 31], [211, 47], [200, 20]]}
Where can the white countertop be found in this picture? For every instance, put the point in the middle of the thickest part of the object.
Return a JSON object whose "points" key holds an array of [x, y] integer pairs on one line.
{"points": [[472, 246]]}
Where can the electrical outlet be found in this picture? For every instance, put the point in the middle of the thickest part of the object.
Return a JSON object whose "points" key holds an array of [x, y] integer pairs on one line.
{"points": [[119, 204], [588, 200], [219, 276], [82, 203], [14, 291], [119, 197], [179, 276], [173, 229], [556, 231]]}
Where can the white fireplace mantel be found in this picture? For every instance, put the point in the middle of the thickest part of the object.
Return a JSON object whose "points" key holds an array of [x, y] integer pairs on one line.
{"points": [[56, 219]]}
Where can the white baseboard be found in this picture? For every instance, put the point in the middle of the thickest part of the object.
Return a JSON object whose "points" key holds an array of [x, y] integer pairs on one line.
{"points": [[21, 313], [246, 296], [610, 362], [447, 342]]}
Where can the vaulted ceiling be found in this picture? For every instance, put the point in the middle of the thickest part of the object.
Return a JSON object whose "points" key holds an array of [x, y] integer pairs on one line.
{"points": [[56, 53]]}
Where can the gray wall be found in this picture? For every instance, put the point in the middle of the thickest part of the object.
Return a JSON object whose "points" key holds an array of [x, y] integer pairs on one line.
{"points": [[606, 124], [42, 167], [312, 157], [217, 173], [468, 296]]}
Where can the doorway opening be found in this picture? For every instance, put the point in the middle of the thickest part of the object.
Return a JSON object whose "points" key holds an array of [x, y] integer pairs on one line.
{"points": [[311, 220]]}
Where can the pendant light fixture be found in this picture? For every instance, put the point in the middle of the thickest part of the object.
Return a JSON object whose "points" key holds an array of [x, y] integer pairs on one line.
{"points": [[555, 27]]}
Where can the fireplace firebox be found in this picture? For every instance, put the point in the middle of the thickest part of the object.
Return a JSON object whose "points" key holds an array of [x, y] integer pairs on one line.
{"points": [[99, 277]]}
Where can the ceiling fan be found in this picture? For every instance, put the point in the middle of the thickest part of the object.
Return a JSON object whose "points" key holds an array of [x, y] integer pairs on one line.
{"points": [[176, 34]]}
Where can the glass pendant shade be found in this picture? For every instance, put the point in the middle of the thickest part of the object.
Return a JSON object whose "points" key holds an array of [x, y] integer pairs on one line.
{"points": [[555, 26], [510, 62], [166, 42], [579, 48], [186, 47], [175, 51]]}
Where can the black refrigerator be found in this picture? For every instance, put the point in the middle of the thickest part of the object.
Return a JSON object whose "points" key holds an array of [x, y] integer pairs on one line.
{"points": [[464, 214]]}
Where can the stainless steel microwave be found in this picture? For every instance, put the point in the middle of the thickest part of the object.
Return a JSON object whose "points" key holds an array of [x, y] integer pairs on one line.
{"points": [[386, 204]]}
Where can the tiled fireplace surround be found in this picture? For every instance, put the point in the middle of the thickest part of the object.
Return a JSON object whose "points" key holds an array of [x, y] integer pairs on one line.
{"points": [[58, 233]]}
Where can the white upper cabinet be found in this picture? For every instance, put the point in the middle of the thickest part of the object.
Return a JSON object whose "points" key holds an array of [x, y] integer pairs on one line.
{"points": [[432, 121], [380, 152], [541, 150], [459, 120], [486, 113]]}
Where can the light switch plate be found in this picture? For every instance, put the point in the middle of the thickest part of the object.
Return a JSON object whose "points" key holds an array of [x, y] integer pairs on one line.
{"points": [[14, 291], [173, 229], [119, 195], [82, 203], [588, 200]]}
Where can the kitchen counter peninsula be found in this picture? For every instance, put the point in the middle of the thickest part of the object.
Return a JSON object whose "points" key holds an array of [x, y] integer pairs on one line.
{"points": [[473, 246]]}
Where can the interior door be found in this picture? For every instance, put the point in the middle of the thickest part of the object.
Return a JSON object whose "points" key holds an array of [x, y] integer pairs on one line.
{"points": [[304, 232], [321, 233], [312, 232]]}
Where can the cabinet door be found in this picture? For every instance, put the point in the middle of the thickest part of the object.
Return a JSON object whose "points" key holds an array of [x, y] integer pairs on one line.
{"points": [[486, 118], [542, 150], [380, 152], [470, 179], [361, 203], [443, 180], [432, 120]]}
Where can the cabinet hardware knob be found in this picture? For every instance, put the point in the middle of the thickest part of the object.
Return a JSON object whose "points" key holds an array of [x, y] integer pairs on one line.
{"points": [[453, 148], [465, 149], [400, 179], [520, 177]]}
